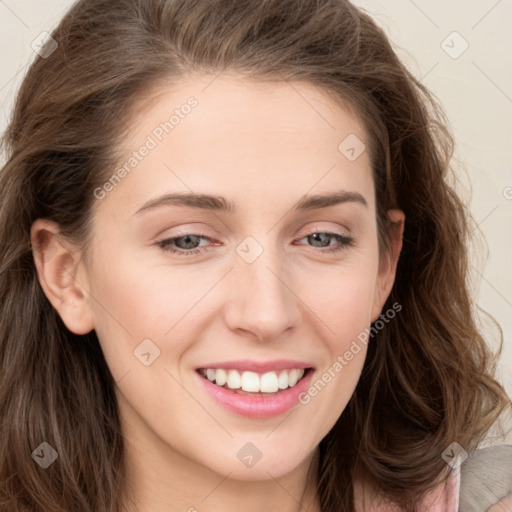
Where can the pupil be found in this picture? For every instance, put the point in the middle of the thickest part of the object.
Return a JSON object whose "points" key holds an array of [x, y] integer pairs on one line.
{"points": [[317, 237], [189, 239]]}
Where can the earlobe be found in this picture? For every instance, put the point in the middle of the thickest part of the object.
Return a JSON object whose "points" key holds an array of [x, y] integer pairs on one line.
{"points": [[388, 264], [57, 272]]}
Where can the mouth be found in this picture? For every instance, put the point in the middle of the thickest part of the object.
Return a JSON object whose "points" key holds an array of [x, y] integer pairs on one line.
{"points": [[250, 383], [256, 389]]}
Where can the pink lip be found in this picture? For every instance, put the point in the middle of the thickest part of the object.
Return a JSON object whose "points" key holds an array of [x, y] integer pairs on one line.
{"points": [[245, 365], [257, 406]]}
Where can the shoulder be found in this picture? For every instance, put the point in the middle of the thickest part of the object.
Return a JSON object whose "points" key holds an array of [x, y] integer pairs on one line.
{"points": [[483, 483], [443, 498], [486, 479]]}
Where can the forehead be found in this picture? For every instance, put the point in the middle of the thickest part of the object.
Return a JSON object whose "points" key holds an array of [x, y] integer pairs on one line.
{"points": [[249, 107], [231, 135]]}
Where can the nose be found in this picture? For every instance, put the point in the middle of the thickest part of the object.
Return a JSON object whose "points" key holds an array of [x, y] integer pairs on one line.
{"points": [[261, 301]]}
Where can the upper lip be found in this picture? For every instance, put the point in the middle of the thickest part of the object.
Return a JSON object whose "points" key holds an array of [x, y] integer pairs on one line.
{"points": [[258, 366]]}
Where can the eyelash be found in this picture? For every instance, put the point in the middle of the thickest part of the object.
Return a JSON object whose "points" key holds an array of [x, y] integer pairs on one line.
{"points": [[344, 242]]}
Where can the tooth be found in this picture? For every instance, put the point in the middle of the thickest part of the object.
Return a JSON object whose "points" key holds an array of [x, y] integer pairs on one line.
{"points": [[269, 383], [250, 382], [293, 377], [220, 377], [234, 380], [283, 379]]}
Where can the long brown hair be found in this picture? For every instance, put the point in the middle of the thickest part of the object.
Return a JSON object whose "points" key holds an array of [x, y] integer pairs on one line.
{"points": [[428, 377]]}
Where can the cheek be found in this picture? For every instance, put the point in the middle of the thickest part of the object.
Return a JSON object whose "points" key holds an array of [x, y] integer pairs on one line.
{"points": [[144, 301], [344, 308], [140, 311], [342, 298], [129, 306]]}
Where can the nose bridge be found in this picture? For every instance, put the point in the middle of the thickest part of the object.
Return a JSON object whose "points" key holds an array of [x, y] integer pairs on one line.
{"points": [[261, 299]]}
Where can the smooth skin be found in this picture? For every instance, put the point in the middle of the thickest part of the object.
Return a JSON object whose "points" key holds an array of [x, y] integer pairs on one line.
{"points": [[263, 146]]}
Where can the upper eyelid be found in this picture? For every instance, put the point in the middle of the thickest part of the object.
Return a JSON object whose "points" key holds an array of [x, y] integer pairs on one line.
{"points": [[316, 229], [212, 239]]}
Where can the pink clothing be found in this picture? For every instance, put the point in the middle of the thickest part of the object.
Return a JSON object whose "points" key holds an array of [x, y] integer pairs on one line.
{"points": [[445, 498], [505, 505]]}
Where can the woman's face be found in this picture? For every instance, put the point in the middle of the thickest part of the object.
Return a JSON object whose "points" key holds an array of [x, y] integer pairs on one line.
{"points": [[242, 287]]}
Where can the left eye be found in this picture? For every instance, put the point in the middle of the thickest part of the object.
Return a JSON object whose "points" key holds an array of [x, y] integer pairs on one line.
{"points": [[187, 244], [343, 241]]}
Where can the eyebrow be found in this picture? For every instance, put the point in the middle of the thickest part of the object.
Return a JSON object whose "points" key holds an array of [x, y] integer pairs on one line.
{"points": [[220, 204]]}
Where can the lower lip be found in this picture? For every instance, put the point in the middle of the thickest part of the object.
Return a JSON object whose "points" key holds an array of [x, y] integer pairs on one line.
{"points": [[258, 406]]}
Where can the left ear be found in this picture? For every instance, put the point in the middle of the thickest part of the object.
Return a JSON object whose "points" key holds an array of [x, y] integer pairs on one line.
{"points": [[388, 263]]}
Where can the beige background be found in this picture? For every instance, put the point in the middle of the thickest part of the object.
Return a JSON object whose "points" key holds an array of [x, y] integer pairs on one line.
{"points": [[474, 86]]}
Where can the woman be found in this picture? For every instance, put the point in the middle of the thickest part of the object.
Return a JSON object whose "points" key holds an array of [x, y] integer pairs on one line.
{"points": [[233, 274]]}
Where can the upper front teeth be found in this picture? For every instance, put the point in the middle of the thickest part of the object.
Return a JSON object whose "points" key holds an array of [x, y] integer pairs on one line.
{"points": [[269, 382]]}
